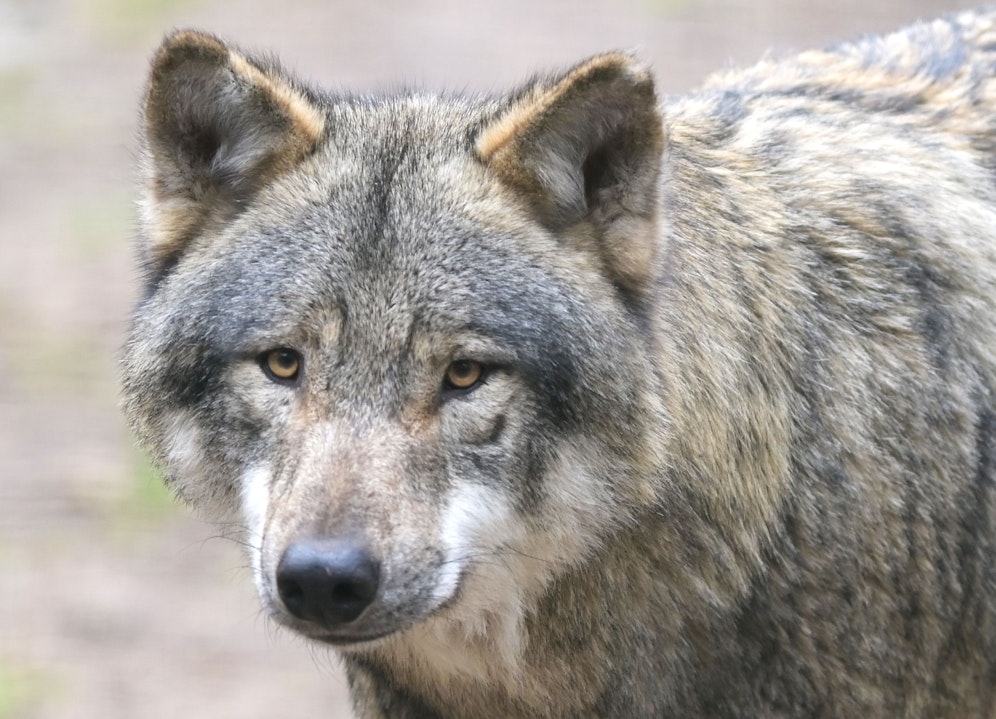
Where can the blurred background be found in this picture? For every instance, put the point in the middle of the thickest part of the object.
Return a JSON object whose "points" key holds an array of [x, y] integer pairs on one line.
{"points": [[114, 601]]}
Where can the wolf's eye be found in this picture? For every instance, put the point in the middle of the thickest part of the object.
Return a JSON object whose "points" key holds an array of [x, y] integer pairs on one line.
{"points": [[281, 365], [464, 374]]}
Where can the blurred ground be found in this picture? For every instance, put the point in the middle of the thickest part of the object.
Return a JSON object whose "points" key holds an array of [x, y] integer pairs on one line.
{"points": [[114, 602]]}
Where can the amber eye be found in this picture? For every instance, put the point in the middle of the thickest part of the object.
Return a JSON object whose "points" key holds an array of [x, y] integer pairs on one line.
{"points": [[464, 374], [281, 365]]}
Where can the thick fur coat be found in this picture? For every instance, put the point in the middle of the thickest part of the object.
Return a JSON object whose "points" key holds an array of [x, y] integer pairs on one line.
{"points": [[573, 403]]}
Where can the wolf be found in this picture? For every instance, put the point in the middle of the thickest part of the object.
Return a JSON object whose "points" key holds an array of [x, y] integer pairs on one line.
{"points": [[579, 402]]}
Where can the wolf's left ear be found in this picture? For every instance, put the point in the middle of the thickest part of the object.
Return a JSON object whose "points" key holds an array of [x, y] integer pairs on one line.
{"points": [[586, 148], [217, 127]]}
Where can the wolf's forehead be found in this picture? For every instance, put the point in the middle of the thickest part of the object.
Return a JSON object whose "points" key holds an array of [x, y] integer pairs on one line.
{"points": [[367, 252], [388, 171], [405, 133], [416, 116], [396, 184]]}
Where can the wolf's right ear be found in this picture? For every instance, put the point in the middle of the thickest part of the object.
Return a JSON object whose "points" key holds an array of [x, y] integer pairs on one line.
{"points": [[217, 127]]}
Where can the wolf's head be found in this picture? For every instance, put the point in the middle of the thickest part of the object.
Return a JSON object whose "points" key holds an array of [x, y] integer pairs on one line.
{"points": [[400, 340]]}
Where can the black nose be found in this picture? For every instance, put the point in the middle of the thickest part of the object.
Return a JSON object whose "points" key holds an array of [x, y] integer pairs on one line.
{"points": [[327, 581]]}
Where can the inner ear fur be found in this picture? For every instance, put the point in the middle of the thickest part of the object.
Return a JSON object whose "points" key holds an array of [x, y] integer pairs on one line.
{"points": [[586, 148], [217, 127]]}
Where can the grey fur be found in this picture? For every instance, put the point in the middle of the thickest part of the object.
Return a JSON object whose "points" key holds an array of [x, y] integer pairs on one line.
{"points": [[733, 452]]}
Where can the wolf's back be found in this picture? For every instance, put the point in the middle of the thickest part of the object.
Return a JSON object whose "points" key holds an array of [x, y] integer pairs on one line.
{"points": [[847, 278]]}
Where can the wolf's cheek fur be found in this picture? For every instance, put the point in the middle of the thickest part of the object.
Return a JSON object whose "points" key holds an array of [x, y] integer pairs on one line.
{"points": [[255, 498], [480, 417], [184, 451]]}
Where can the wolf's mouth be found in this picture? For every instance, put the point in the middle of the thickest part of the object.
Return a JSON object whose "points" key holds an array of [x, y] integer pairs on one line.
{"points": [[366, 629], [347, 641], [360, 632]]}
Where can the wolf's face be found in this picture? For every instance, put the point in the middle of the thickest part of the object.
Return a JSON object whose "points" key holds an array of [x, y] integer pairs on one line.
{"points": [[384, 337]]}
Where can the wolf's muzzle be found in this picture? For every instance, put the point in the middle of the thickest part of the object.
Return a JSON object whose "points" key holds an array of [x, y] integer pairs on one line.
{"points": [[329, 582]]}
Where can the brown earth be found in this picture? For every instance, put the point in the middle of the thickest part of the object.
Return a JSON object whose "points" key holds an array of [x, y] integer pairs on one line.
{"points": [[114, 602]]}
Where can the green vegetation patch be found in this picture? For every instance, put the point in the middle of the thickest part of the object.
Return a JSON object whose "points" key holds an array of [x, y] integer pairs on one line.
{"points": [[22, 689]]}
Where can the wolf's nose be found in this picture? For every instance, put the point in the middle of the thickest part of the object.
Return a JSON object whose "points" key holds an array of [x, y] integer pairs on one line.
{"points": [[327, 581]]}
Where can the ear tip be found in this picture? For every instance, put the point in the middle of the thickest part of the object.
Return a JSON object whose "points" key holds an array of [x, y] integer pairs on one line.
{"points": [[192, 38], [179, 53], [187, 44], [620, 63]]}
